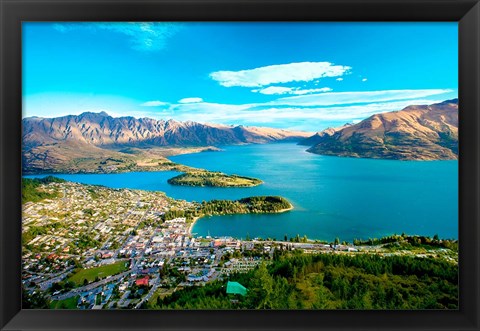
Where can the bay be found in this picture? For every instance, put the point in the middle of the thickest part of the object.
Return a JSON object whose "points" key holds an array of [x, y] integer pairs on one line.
{"points": [[348, 198]]}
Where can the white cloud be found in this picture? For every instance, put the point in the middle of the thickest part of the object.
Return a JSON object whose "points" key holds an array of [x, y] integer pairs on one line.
{"points": [[290, 90], [330, 106], [364, 80], [339, 98], [207, 107], [281, 73], [339, 79], [143, 36], [274, 90], [154, 103], [278, 116], [190, 100]]}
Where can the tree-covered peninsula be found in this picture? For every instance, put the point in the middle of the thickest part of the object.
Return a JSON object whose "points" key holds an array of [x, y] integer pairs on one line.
{"points": [[213, 179], [250, 205]]}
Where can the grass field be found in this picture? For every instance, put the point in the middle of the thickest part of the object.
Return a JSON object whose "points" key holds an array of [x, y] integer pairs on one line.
{"points": [[70, 303], [100, 272], [162, 293]]}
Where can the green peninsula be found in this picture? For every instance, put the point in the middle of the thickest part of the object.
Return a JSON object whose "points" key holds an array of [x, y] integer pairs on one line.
{"points": [[213, 179], [255, 205]]}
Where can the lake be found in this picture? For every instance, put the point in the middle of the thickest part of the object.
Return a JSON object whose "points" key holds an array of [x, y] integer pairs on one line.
{"points": [[332, 196]]}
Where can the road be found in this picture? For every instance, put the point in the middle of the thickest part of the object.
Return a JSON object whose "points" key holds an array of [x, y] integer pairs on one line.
{"points": [[48, 283], [86, 288], [122, 244], [153, 289]]}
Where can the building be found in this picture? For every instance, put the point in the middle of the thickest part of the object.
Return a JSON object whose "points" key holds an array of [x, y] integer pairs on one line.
{"points": [[142, 281], [236, 288]]}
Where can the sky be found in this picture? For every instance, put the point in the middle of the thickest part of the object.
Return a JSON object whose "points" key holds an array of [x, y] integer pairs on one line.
{"points": [[293, 75]]}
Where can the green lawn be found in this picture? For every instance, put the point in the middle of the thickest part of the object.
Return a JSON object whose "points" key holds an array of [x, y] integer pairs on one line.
{"points": [[70, 303], [160, 293], [100, 272]]}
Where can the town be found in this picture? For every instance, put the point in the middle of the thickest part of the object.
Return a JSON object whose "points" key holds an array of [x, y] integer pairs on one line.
{"points": [[92, 247]]}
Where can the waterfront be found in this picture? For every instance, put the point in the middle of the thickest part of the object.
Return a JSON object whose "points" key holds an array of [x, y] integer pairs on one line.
{"points": [[332, 196]]}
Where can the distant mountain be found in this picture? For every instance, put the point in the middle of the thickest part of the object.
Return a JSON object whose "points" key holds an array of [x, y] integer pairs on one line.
{"points": [[413, 133], [317, 137], [97, 142], [102, 130]]}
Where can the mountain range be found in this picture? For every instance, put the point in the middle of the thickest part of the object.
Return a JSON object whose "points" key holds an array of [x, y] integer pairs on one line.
{"points": [[418, 132], [102, 130], [62, 143], [97, 142]]}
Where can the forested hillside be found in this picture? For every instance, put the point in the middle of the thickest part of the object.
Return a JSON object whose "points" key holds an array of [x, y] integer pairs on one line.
{"points": [[296, 280]]}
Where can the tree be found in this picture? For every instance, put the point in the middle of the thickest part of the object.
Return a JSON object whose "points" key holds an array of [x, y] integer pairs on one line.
{"points": [[35, 300], [285, 238], [56, 287], [85, 282], [261, 292], [337, 241], [69, 285]]}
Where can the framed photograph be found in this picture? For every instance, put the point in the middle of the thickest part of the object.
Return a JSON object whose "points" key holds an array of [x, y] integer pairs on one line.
{"points": [[240, 165]]}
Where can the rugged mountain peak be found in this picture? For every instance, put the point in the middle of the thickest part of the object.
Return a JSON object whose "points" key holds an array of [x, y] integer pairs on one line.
{"points": [[418, 132]]}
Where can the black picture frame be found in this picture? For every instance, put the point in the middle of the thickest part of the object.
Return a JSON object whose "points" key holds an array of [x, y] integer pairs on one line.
{"points": [[13, 12]]}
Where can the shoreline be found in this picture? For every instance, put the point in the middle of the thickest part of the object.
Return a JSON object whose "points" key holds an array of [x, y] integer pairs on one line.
{"points": [[284, 210], [195, 219], [189, 230]]}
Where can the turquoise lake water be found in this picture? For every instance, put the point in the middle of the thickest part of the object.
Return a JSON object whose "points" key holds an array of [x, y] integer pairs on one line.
{"points": [[332, 196]]}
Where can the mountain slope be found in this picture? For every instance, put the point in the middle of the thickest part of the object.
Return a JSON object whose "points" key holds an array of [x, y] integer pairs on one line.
{"points": [[317, 137], [414, 133]]}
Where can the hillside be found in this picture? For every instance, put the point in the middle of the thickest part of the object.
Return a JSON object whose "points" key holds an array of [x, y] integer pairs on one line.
{"points": [[413, 133], [317, 137]]}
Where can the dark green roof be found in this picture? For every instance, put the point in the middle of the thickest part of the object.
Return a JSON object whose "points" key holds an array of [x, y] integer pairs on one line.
{"points": [[236, 288]]}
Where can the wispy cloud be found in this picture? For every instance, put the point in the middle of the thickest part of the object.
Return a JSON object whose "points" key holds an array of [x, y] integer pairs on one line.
{"points": [[281, 73], [339, 79], [190, 100], [312, 112], [154, 103], [199, 108], [290, 90], [339, 98], [310, 119], [143, 36], [364, 79]]}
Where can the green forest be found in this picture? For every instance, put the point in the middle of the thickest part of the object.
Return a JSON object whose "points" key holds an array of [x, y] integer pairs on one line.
{"points": [[30, 191], [294, 280]]}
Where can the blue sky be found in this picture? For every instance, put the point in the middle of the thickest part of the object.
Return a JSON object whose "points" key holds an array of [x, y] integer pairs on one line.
{"points": [[305, 76]]}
